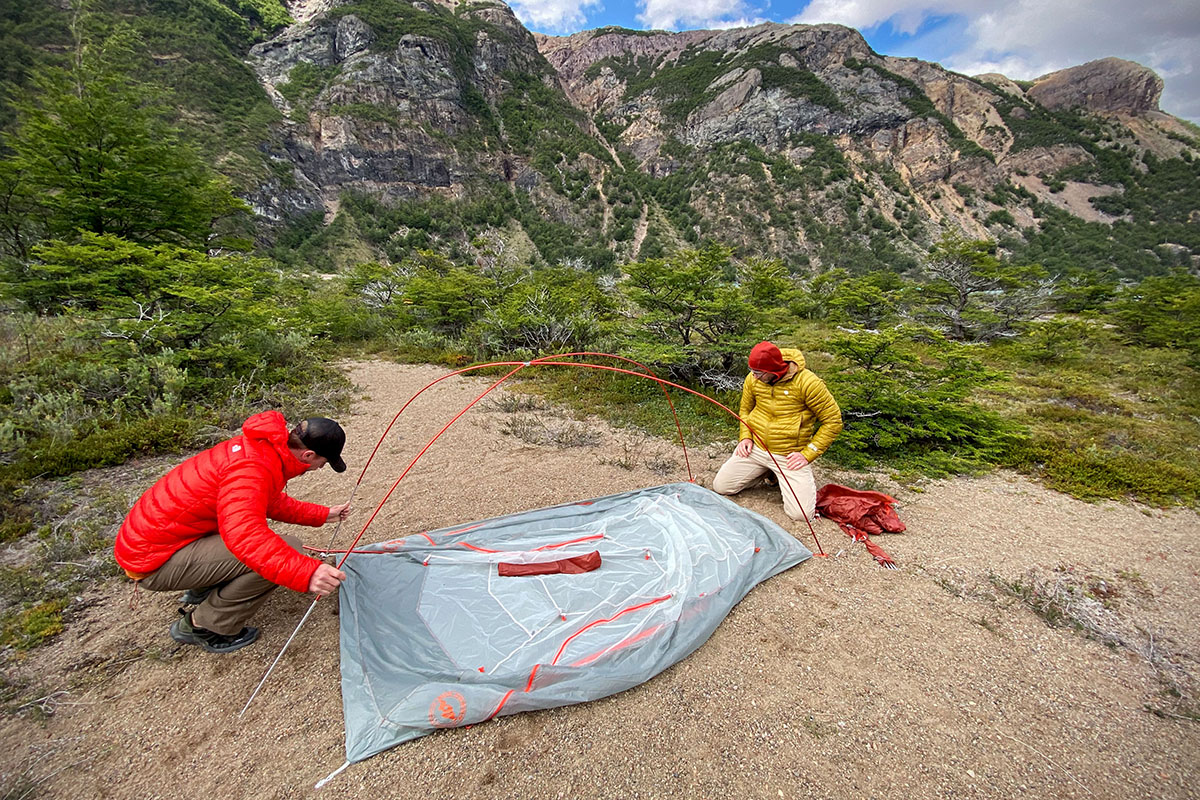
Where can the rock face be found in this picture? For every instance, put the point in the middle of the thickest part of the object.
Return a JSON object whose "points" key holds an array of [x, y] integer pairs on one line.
{"points": [[738, 103], [1110, 85], [382, 116], [769, 137]]}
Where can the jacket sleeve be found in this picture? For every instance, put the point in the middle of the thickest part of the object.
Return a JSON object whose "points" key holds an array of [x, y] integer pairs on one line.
{"points": [[283, 508], [242, 500], [820, 401], [745, 408]]}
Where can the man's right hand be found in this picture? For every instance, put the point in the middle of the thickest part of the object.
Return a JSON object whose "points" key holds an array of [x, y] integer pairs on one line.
{"points": [[325, 579], [743, 448]]}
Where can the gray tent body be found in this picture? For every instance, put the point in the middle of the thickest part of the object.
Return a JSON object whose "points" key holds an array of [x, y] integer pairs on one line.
{"points": [[433, 637]]}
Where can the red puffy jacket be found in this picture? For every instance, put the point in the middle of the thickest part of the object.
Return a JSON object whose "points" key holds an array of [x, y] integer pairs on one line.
{"points": [[232, 489]]}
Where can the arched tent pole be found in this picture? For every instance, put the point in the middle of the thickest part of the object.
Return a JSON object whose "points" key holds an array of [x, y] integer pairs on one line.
{"points": [[476, 367], [546, 362], [520, 366], [407, 403]]}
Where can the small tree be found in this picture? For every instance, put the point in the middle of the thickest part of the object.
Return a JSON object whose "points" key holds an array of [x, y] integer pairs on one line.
{"points": [[445, 297], [693, 316], [812, 299], [975, 295], [869, 299], [904, 394], [552, 310], [156, 298], [1161, 311], [93, 151]]}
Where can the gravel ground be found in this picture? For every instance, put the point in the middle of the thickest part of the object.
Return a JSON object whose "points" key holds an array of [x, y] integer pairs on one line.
{"points": [[835, 679]]}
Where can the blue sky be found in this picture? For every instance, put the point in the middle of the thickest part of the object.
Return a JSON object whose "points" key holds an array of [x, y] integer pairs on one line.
{"points": [[1019, 38]]}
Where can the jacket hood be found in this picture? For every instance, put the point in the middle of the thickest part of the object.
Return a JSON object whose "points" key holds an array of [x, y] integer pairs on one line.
{"points": [[271, 428], [267, 426], [791, 354]]}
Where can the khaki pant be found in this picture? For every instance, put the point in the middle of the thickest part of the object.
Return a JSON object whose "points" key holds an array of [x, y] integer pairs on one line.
{"points": [[207, 562], [740, 473]]}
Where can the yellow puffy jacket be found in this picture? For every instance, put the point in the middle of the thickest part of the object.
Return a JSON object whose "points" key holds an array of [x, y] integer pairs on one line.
{"points": [[783, 414]]}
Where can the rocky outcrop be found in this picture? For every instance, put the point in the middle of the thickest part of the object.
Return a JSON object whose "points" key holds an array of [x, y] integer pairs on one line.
{"points": [[737, 104], [1109, 85], [386, 119], [418, 109]]}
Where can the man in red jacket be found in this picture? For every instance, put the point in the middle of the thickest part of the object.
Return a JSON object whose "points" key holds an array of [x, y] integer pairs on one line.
{"points": [[203, 528]]}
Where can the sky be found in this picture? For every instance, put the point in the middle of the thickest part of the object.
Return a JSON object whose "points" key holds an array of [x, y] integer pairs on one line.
{"points": [[1018, 38]]}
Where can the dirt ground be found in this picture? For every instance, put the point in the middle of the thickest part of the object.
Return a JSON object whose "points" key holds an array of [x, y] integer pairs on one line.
{"points": [[834, 679]]}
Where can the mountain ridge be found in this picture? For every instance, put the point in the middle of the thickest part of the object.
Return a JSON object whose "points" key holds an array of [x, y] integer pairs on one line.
{"points": [[434, 103]]}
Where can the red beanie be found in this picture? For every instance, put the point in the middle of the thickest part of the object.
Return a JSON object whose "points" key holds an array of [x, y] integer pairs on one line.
{"points": [[765, 357]]}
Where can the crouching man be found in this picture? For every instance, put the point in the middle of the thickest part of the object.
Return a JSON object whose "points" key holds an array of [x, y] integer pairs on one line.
{"points": [[203, 528], [795, 419]]}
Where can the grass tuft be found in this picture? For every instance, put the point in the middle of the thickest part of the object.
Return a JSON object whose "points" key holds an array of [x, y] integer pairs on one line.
{"points": [[1091, 605], [554, 433]]}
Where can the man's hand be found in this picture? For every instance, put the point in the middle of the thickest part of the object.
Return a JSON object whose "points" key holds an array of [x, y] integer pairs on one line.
{"points": [[325, 579], [743, 448], [341, 512], [796, 461]]}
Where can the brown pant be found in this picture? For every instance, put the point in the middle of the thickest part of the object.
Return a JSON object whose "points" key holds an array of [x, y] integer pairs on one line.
{"points": [[740, 473], [207, 562]]}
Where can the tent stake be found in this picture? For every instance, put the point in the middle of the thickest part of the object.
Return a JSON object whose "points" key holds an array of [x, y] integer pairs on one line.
{"points": [[281, 652], [331, 775]]}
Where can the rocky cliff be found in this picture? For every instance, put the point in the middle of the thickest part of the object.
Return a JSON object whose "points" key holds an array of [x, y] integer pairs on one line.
{"points": [[794, 141], [1106, 86], [393, 99]]}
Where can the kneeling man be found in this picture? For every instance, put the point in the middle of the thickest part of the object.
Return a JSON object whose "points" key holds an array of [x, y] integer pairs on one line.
{"points": [[794, 416]]}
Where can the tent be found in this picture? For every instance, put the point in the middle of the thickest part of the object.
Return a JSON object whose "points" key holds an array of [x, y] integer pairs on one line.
{"points": [[544, 608]]}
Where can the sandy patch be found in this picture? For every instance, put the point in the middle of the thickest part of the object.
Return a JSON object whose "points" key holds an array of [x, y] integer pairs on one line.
{"points": [[835, 679]]}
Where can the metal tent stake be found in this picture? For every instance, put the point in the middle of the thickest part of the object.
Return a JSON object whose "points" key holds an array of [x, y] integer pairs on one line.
{"points": [[281, 652]]}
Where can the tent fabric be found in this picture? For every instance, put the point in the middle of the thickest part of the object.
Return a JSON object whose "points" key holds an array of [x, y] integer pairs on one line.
{"points": [[433, 637], [859, 512]]}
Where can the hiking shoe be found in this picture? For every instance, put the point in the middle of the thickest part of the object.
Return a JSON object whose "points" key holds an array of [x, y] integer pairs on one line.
{"points": [[194, 597], [184, 632]]}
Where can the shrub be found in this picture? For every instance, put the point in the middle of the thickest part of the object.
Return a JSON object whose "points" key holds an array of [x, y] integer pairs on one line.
{"points": [[905, 395], [104, 448], [1092, 473], [31, 626]]}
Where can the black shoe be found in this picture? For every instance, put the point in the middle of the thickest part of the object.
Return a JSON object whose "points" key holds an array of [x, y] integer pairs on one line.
{"points": [[184, 632], [194, 597]]}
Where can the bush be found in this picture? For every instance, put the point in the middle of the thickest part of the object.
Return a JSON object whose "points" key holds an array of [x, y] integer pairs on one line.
{"points": [[104, 448], [1094, 474], [538, 317], [31, 626], [1161, 311], [905, 398], [1053, 341]]}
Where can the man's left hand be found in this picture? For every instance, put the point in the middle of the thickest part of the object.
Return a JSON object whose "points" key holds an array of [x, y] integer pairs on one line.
{"points": [[796, 461], [341, 513]]}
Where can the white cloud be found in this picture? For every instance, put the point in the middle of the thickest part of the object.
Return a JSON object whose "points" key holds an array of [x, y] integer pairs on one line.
{"points": [[1027, 38], [688, 14], [557, 16], [906, 16]]}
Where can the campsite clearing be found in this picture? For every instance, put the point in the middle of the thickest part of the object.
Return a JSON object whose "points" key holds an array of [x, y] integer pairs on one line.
{"points": [[1030, 644]]}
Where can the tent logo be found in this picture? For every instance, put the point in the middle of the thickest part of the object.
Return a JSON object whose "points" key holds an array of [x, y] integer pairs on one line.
{"points": [[448, 710]]}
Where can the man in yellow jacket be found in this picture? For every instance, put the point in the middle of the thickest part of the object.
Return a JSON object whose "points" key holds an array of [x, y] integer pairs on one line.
{"points": [[782, 404]]}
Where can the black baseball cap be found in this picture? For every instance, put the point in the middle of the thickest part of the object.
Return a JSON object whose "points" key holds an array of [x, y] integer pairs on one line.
{"points": [[325, 438]]}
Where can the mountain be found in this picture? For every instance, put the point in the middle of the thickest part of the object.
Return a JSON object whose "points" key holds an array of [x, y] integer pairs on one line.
{"points": [[437, 123]]}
